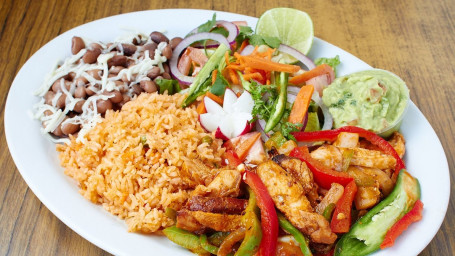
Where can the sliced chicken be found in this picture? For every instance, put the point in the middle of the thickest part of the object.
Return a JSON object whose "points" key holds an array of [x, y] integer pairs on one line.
{"points": [[289, 197], [225, 184], [227, 205], [330, 156], [397, 141], [333, 195], [347, 140], [198, 172], [371, 158], [366, 197], [298, 169], [199, 221]]}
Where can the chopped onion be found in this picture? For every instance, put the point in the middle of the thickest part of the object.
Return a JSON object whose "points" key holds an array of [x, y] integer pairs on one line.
{"points": [[297, 55], [184, 79], [293, 90]]}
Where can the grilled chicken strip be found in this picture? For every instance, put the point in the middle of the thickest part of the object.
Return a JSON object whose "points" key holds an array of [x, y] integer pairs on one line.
{"points": [[298, 170], [225, 184], [227, 205], [199, 221], [289, 197]]}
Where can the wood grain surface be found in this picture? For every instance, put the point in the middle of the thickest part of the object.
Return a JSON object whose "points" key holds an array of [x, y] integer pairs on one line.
{"points": [[414, 39]]}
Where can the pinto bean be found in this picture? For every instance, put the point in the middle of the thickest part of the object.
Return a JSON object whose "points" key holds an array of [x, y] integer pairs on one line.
{"points": [[61, 101], [48, 97], [92, 89], [128, 49], [103, 105], [77, 44], [148, 86], [78, 106], [175, 41], [95, 73], [80, 92], [96, 46], [117, 60], [81, 81], [154, 72], [166, 75], [69, 128], [136, 89], [167, 52], [166, 68], [151, 47], [117, 96], [56, 86], [158, 37], [58, 131], [116, 69], [91, 55]]}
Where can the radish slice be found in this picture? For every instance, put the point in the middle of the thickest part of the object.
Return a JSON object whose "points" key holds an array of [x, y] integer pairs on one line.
{"points": [[212, 107], [319, 82], [231, 120], [229, 99], [209, 121]]}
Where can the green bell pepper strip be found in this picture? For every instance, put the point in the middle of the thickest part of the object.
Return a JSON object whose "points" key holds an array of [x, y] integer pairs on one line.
{"points": [[253, 235], [327, 213], [281, 80], [185, 239], [201, 82], [217, 238], [367, 234], [288, 227], [207, 246]]}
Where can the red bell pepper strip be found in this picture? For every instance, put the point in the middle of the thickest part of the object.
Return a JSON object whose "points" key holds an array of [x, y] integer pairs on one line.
{"points": [[341, 219], [330, 135], [269, 218], [232, 159], [414, 215], [322, 175]]}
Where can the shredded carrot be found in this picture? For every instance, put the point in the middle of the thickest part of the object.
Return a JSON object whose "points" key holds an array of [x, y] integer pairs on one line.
{"points": [[268, 65], [214, 73], [215, 98], [226, 57], [317, 71], [243, 45], [255, 75], [244, 147], [233, 76], [301, 104], [201, 107]]}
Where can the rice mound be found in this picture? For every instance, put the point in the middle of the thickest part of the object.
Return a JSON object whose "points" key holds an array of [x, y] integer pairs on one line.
{"points": [[115, 169]]}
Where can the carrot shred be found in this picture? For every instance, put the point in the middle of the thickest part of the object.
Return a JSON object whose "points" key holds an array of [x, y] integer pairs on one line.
{"points": [[233, 76], [226, 57], [267, 65], [214, 73], [301, 104], [243, 149], [255, 75], [317, 71], [201, 107], [215, 98]]}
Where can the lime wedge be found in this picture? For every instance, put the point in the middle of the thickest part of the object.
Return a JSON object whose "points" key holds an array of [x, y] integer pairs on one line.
{"points": [[293, 27]]}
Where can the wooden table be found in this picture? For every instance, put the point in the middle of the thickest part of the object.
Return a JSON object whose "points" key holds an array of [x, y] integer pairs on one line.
{"points": [[414, 39]]}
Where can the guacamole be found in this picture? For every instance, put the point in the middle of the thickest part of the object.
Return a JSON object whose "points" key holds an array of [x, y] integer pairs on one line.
{"points": [[373, 99]]}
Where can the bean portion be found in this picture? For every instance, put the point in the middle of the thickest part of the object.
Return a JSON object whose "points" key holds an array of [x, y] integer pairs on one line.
{"points": [[87, 82]]}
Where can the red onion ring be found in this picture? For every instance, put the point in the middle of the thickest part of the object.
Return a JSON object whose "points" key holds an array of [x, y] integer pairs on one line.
{"points": [[297, 55], [231, 28], [260, 126], [328, 119], [183, 79]]}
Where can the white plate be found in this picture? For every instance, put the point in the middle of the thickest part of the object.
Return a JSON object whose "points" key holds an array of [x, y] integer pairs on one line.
{"points": [[38, 163]]}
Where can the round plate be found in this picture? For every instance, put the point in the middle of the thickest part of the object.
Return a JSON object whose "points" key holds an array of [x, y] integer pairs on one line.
{"points": [[38, 162]]}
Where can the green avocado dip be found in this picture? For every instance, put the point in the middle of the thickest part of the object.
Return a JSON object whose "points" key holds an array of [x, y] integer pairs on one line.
{"points": [[373, 99]]}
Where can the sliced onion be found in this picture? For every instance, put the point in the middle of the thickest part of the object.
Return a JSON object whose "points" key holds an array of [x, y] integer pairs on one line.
{"points": [[231, 28], [183, 79], [297, 55], [247, 50], [293, 90], [291, 97], [319, 82], [260, 126], [328, 120]]}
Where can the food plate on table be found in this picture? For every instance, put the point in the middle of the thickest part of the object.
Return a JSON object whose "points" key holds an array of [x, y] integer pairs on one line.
{"points": [[37, 160]]}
